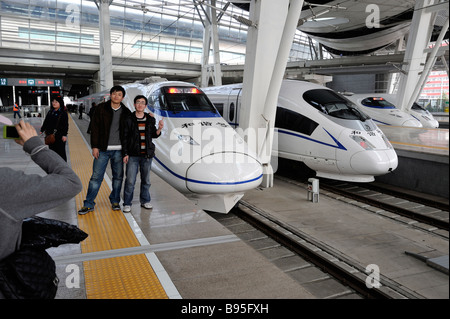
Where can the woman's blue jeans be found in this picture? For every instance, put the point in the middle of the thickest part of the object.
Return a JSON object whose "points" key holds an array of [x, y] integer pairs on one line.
{"points": [[135, 164], [98, 172]]}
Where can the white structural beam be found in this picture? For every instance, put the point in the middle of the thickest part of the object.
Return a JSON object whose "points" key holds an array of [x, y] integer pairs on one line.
{"points": [[106, 73], [215, 44], [444, 62], [428, 66], [415, 54], [268, 47], [210, 36]]}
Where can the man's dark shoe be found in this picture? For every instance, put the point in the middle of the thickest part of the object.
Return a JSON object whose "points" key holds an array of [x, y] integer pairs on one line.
{"points": [[115, 206], [84, 210]]}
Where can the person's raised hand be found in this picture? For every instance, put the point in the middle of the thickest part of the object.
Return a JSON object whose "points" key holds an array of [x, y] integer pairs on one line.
{"points": [[26, 131]]}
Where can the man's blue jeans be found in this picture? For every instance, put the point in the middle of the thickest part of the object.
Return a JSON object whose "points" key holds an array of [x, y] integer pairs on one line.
{"points": [[98, 172], [134, 164]]}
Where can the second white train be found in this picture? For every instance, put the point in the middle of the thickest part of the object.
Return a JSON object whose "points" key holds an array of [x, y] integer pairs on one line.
{"points": [[321, 128], [382, 110]]}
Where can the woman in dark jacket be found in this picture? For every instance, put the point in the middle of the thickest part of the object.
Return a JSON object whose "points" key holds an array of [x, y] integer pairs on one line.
{"points": [[57, 119]]}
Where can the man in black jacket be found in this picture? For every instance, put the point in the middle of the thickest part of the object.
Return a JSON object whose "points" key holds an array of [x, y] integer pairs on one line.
{"points": [[106, 136], [138, 151]]}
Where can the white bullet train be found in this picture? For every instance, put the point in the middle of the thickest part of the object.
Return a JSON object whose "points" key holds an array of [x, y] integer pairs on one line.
{"points": [[198, 153], [418, 112], [321, 128], [423, 116], [382, 111]]}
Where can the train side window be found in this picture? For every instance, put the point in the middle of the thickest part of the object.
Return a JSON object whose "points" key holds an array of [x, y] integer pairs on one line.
{"points": [[293, 121], [157, 101], [152, 101], [219, 107], [231, 112]]}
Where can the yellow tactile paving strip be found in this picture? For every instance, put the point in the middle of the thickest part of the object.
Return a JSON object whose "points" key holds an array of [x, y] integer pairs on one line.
{"points": [[421, 145], [128, 277]]}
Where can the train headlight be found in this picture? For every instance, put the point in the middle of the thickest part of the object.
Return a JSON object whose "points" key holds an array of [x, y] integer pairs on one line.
{"points": [[187, 139], [365, 144]]}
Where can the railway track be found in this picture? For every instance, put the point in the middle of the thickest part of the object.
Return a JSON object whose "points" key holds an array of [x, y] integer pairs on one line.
{"points": [[427, 212], [430, 215], [348, 277], [323, 271]]}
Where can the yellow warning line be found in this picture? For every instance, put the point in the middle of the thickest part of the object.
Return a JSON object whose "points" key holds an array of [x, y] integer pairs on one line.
{"points": [[419, 145], [127, 277]]}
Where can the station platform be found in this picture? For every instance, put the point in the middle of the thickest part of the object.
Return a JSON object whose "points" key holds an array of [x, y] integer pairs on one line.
{"points": [[177, 251], [423, 159], [432, 141], [173, 251]]}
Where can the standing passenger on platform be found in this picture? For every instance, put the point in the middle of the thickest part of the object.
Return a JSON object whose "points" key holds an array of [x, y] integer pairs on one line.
{"points": [[106, 137], [80, 110], [91, 115], [57, 122], [138, 151]]}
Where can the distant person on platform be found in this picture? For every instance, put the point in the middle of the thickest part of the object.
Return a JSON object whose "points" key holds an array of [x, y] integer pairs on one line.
{"points": [[80, 111], [16, 110], [91, 115], [138, 151], [106, 136], [57, 122]]}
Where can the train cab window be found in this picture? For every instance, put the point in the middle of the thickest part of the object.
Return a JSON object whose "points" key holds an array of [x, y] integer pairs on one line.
{"points": [[418, 108], [377, 102], [231, 112], [333, 104], [180, 99], [293, 121]]}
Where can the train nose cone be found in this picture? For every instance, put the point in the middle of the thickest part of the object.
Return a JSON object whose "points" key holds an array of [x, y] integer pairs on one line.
{"points": [[412, 123], [374, 162], [434, 124], [224, 173]]}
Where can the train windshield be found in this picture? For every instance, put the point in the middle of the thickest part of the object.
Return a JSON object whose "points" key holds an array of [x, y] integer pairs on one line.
{"points": [[377, 102], [418, 108], [181, 99], [332, 104]]}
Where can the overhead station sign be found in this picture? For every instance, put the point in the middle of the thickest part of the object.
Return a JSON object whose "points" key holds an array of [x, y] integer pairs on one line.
{"points": [[30, 82]]}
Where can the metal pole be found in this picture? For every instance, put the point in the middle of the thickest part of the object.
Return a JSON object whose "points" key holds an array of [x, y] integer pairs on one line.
{"points": [[428, 65]]}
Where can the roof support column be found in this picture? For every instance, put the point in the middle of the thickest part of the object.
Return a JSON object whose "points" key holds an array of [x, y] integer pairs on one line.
{"points": [[415, 56], [210, 36], [428, 66], [205, 55], [268, 47], [106, 73]]}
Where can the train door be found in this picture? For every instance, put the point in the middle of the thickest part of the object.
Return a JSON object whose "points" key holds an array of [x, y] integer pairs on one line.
{"points": [[233, 106]]}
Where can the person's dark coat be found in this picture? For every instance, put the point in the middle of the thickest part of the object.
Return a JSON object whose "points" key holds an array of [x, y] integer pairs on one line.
{"points": [[131, 144], [101, 124]]}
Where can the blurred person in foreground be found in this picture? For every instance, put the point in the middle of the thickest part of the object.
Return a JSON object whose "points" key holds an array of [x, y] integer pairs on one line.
{"points": [[24, 195]]}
